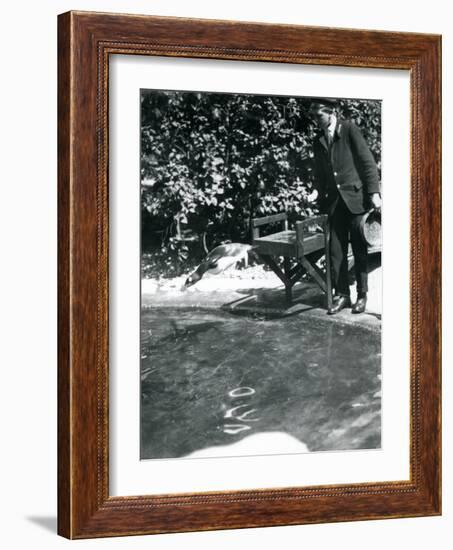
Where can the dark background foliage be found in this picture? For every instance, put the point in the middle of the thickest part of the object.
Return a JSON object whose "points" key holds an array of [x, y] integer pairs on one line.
{"points": [[210, 162]]}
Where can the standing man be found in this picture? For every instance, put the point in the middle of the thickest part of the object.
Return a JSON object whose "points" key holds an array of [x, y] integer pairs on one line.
{"points": [[346, 186]]}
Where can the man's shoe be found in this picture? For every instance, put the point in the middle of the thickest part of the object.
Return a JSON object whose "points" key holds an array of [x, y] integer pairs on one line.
{"points": [[339, 303], [360, 305]]}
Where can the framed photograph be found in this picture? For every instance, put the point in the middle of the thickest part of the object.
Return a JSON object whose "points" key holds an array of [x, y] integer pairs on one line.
{"points": [[249, 275]]}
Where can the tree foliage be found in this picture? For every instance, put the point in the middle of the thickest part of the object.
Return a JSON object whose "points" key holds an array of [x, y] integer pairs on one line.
{"points": [[210, 162]]}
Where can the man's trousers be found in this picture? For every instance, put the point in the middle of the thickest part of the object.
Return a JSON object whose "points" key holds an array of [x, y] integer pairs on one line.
{"points": [[345, 226]]}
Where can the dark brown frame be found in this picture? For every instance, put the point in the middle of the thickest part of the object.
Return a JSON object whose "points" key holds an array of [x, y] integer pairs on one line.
{"points": [[85, 41]]}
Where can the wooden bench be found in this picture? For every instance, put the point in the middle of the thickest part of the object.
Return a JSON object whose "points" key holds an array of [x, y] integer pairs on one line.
{"points": [[298, 247]]}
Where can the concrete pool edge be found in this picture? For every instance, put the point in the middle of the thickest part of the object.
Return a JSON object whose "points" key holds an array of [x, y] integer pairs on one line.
{"points": [[236, 303]]}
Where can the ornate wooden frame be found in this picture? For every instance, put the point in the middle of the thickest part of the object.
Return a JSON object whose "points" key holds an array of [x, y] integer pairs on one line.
{"points": [[85, 41]]}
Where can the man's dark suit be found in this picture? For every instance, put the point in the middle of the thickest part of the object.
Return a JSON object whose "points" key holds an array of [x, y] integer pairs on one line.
{"points": [[345, 176]]}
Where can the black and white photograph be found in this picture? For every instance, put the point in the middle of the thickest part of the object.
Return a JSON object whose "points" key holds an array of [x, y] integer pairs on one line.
{"points": [[261, 274]]}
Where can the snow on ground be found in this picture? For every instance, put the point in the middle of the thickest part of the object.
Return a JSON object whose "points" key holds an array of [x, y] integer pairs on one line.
{"points": [[234, 279], [240, 280]]}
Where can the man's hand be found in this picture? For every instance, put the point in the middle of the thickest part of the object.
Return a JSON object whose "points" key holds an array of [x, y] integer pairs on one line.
{"points": [[375, 201], [312, 197]]}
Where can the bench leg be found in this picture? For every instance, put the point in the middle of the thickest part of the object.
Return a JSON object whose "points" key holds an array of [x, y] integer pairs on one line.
{"points": [[288, 284], [289, 293], [328, 268]]}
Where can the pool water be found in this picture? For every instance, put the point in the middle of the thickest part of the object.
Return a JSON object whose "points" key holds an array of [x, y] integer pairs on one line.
{"points": [[213, 378]]}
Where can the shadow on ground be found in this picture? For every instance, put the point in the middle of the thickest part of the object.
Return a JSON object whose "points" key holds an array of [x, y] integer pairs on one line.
{"points": [[49, 523]]}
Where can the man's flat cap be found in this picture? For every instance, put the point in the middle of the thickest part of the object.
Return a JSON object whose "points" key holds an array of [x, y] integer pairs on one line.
{"points": [[317, 102]]}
